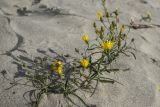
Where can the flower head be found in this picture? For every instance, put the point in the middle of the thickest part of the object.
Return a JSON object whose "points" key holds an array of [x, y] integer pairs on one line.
{"points": [[122, 28], [84, 63], [58, 67], [99, 14], [59, 70], [149, 14], [85, 38], [108, 45]]}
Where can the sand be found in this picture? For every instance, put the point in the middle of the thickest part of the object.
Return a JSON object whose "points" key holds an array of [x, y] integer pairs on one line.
{"points": [[60, 28]]}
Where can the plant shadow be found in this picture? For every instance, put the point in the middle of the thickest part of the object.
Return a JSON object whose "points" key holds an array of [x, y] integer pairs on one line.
{"points": [[40, 67]]}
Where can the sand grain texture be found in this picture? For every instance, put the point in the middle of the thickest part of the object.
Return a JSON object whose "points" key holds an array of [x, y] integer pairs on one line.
{"points": [[59, 24]]}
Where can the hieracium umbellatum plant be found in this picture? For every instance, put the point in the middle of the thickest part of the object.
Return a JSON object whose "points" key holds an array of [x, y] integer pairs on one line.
{"points": [[66, 75]]}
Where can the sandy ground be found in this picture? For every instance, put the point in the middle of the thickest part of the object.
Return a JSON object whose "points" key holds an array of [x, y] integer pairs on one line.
{"points": [[61, 29]]}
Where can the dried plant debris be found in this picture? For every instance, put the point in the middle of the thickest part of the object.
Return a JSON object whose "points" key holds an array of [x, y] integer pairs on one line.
{"points": [[36, 2], [144, 1]]}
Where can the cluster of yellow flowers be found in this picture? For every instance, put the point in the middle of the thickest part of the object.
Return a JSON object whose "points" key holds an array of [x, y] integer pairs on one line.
{"points": [[106, 46], [58, 67]]}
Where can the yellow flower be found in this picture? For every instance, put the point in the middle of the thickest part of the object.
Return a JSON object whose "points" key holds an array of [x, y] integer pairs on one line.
{"points": [[99, 14], [59, 70], [84, 63], [85, 38], [149, 14], [58, 67], [108, 45], [58, 63]]}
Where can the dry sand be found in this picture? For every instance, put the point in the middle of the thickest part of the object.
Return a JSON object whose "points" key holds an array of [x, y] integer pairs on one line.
{"points": [[61, 29]]}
